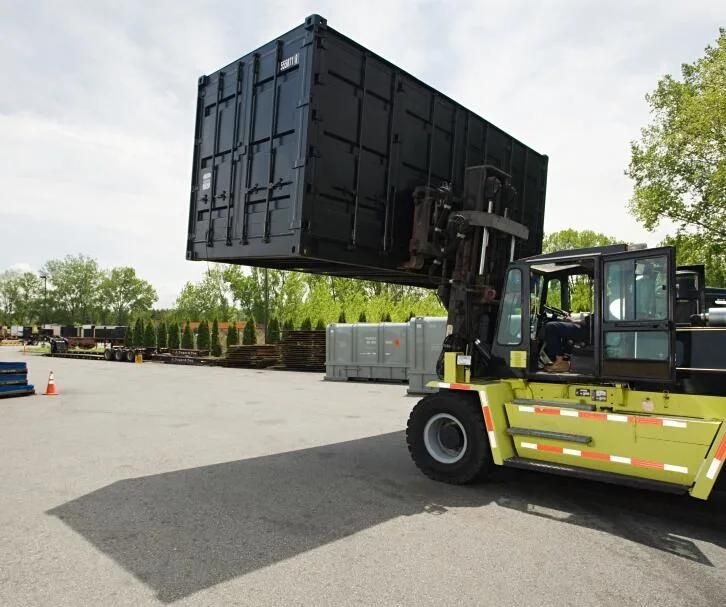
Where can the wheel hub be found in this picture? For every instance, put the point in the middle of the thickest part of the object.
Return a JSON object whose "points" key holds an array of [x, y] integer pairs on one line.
{"points": [[445, 438], [451, 437]]}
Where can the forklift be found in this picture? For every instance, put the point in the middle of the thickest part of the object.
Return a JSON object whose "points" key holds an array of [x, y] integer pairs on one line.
{"points": [[643, 401]]}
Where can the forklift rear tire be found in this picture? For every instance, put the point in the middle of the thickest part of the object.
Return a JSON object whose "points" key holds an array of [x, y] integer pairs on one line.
{"points": [[447, 438]]}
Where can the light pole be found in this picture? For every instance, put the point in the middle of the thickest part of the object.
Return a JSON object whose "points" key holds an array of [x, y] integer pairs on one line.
{"points": [[267, 305], [44, 278]]}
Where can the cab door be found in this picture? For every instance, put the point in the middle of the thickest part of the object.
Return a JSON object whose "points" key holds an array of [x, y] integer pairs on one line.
{"points": [[637, 315]]}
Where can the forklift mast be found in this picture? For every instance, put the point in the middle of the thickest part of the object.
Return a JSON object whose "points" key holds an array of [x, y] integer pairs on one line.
{"points": [[648, 323], [467, 243]]}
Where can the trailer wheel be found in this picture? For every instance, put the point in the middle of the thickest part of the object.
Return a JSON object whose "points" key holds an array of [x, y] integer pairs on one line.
{"points": [[447, 438], [119, 355], [130, 355], [108, 354]]}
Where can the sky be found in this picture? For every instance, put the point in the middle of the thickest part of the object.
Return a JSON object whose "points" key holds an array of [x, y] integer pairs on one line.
{"points": [[98, 98]]}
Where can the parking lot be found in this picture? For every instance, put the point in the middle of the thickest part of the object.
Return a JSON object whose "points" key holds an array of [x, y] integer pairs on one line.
{"points": [[158, 484]]}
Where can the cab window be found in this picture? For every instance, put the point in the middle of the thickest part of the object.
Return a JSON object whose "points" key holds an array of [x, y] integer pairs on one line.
{"points": [[510, 326]]}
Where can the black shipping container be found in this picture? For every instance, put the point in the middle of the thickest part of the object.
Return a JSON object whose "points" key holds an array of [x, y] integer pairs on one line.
{"points": [[110, 332], [307, 152], [69, 331]]}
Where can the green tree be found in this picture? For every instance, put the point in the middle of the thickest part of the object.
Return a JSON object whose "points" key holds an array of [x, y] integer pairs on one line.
{"points": [[232, 334], [161, 337], [138, 336], [679, 163], [128, 337], [249, 335], [149, 335], [289, 325], [692, 249], [75, 282], [306, 324], [273, 333], [187, 340], [362, 317], [207, 298], [203, 336], [21, 298], [565, 240], [581, 288], [320, 325], [410, 316], [174, 342], [215, 346], [123, 293], [341, 317], [386, 317], [286, 290]]}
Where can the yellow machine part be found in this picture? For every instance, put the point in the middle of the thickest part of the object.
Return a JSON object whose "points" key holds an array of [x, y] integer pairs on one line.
{"points": [[678, 439]]}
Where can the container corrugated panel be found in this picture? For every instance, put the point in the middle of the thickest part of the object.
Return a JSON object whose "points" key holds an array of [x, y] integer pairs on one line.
{"points": [[307, 152], [110, 332], [425, 338], [69, 331], [367, 351]]}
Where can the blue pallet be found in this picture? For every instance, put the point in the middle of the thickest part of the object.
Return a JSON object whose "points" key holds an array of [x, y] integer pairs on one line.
{"points": [[8, 379], [7, 391], [13, 368]]}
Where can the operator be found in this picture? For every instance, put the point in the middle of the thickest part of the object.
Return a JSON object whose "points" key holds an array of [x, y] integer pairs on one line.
{"points": [[557, 334]]}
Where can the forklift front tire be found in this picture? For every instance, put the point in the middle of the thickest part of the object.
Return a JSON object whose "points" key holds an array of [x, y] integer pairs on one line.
{"points": [[447, 438]]}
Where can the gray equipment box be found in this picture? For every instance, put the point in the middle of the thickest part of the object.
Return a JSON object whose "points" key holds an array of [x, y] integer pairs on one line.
{"points": [[366, 351], [425, 338], [386, 351]]}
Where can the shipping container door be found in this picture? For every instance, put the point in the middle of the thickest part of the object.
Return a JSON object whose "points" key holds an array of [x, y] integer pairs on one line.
{"points": [[248, 152]]}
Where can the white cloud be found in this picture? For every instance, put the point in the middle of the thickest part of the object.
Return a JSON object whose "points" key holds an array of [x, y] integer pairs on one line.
{"points": [[98, 104]]}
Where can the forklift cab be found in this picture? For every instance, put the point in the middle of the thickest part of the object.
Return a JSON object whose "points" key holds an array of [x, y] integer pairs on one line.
{"points": [[618, 304]]}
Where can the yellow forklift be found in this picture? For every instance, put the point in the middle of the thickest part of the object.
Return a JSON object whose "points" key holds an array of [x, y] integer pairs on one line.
{"points": [[640, 399]]}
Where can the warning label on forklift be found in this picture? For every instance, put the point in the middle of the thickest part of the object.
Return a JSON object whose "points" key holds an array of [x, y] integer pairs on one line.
{"points": [[518, 359]]}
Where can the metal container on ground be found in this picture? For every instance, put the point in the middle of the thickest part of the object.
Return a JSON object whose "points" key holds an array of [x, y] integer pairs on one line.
{"points": [[308, 150], [425, 338], [366, 351]]}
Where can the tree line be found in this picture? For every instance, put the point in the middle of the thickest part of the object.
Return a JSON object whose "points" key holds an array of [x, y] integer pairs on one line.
{"points": [[147, 334], [173, 335], [76, 290]]}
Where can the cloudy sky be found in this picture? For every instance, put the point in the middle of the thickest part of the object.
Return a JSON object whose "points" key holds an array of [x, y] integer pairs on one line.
{"points": [[97, 104]]}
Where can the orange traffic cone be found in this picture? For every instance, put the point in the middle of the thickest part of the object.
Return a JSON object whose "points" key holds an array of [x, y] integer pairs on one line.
{"points": [[50, 390]]}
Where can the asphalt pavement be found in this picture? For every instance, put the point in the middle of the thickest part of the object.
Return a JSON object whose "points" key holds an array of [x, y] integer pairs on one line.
{"points": [[158, 484]]}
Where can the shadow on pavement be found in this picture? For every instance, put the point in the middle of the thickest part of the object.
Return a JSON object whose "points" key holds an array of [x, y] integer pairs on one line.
{"points": [[181, 532]]}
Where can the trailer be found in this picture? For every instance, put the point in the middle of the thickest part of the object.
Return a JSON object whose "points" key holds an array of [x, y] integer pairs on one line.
{"points": [[312, 153]]}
